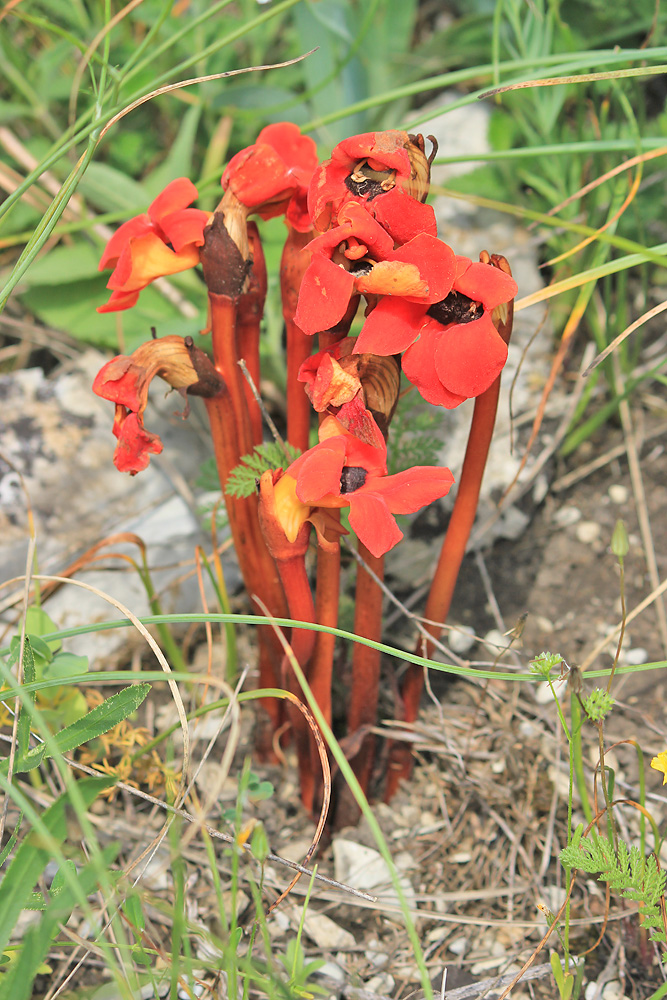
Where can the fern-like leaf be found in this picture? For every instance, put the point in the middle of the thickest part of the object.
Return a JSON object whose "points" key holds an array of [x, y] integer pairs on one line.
{"points": [[628, 872], [242, 481]]}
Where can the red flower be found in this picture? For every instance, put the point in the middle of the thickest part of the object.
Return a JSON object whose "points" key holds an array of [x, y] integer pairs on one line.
{"points": [[162, 241], [358, 256], [342, 471], [452, 348], [272, 176], [387, 172], [125, 381], [360, 390]]}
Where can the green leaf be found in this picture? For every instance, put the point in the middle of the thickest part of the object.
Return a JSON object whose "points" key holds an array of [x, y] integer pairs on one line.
{"points": [[242, 481], [72, 308], [18, 982], [111, 190], [99, 720], [37, 622], [32, 856], [65, 665], [178, 162], [64, 264], [9, 846], [23, 725]]}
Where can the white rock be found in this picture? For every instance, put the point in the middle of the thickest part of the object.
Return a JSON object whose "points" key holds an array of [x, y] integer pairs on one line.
{"points": [[544, 695], [588, 532], [618, 494], [635, 656], [382, 983], [461, 639], [566, 516], [613, 991], [363, 868], [460, 858], [331, 970], [592, 990], [321, 929], [495, 641], [458, 946]]}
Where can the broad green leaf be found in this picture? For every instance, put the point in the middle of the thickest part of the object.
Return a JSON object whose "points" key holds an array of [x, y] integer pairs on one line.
{"points": [[72, 308], [37, 622], [111, 190], [99, 720], [32, 856], [178, 162], [65, 665], [63, 265]]}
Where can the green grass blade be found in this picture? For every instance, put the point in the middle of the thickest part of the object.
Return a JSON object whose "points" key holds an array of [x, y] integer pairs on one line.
{"points": [[35, 851]]}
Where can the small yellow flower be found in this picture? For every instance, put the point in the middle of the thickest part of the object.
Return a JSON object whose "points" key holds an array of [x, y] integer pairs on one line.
{"points": [[660, 764]]}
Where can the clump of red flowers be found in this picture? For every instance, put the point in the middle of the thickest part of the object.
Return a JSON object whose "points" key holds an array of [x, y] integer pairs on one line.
{"points": [[359, 236]]}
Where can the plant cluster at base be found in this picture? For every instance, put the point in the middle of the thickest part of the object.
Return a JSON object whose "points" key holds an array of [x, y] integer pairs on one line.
{"points": [[358, 228]]}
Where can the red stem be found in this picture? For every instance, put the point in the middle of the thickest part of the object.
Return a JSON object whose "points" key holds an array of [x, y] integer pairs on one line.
{"points": [[301, 608], [299, 344], [453, 550], [258, 568], [362, 710], [223, 309], [249, 316]]}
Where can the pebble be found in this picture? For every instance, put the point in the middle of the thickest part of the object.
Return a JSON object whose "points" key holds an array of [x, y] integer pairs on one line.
{"points": [[633, 657], [382, 983], [331, 970], [366, 869], [613, 991], [460, 858], [543, 694], [567, 516], [618, 494], [495, 641], [588, 532], [461, 639], [459, 946]]}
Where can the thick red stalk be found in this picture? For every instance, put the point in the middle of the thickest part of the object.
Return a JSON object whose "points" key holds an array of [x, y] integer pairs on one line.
{"points": [[453, 550], [362, 708], [223, 311], [299, 344], [257, 566], [249, 316], [301, 608]]}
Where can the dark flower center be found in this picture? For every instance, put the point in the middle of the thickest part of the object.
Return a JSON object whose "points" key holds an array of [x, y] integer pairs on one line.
{"points": [[456, 308], [352, 478], [364, 182]]}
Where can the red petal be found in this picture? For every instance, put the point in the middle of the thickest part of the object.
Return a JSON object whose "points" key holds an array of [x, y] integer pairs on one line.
{"points": [[177, 195], [470, 356], [409, 491], [324, 295], [135, 445], [318, 471], [419, 368], [486, 284], [118, 301], [391, 327], [137, 226], [186, 226], [372, 523], [403, 216], [118, 381], [298, 152], [386, 148], [436, 262]]}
